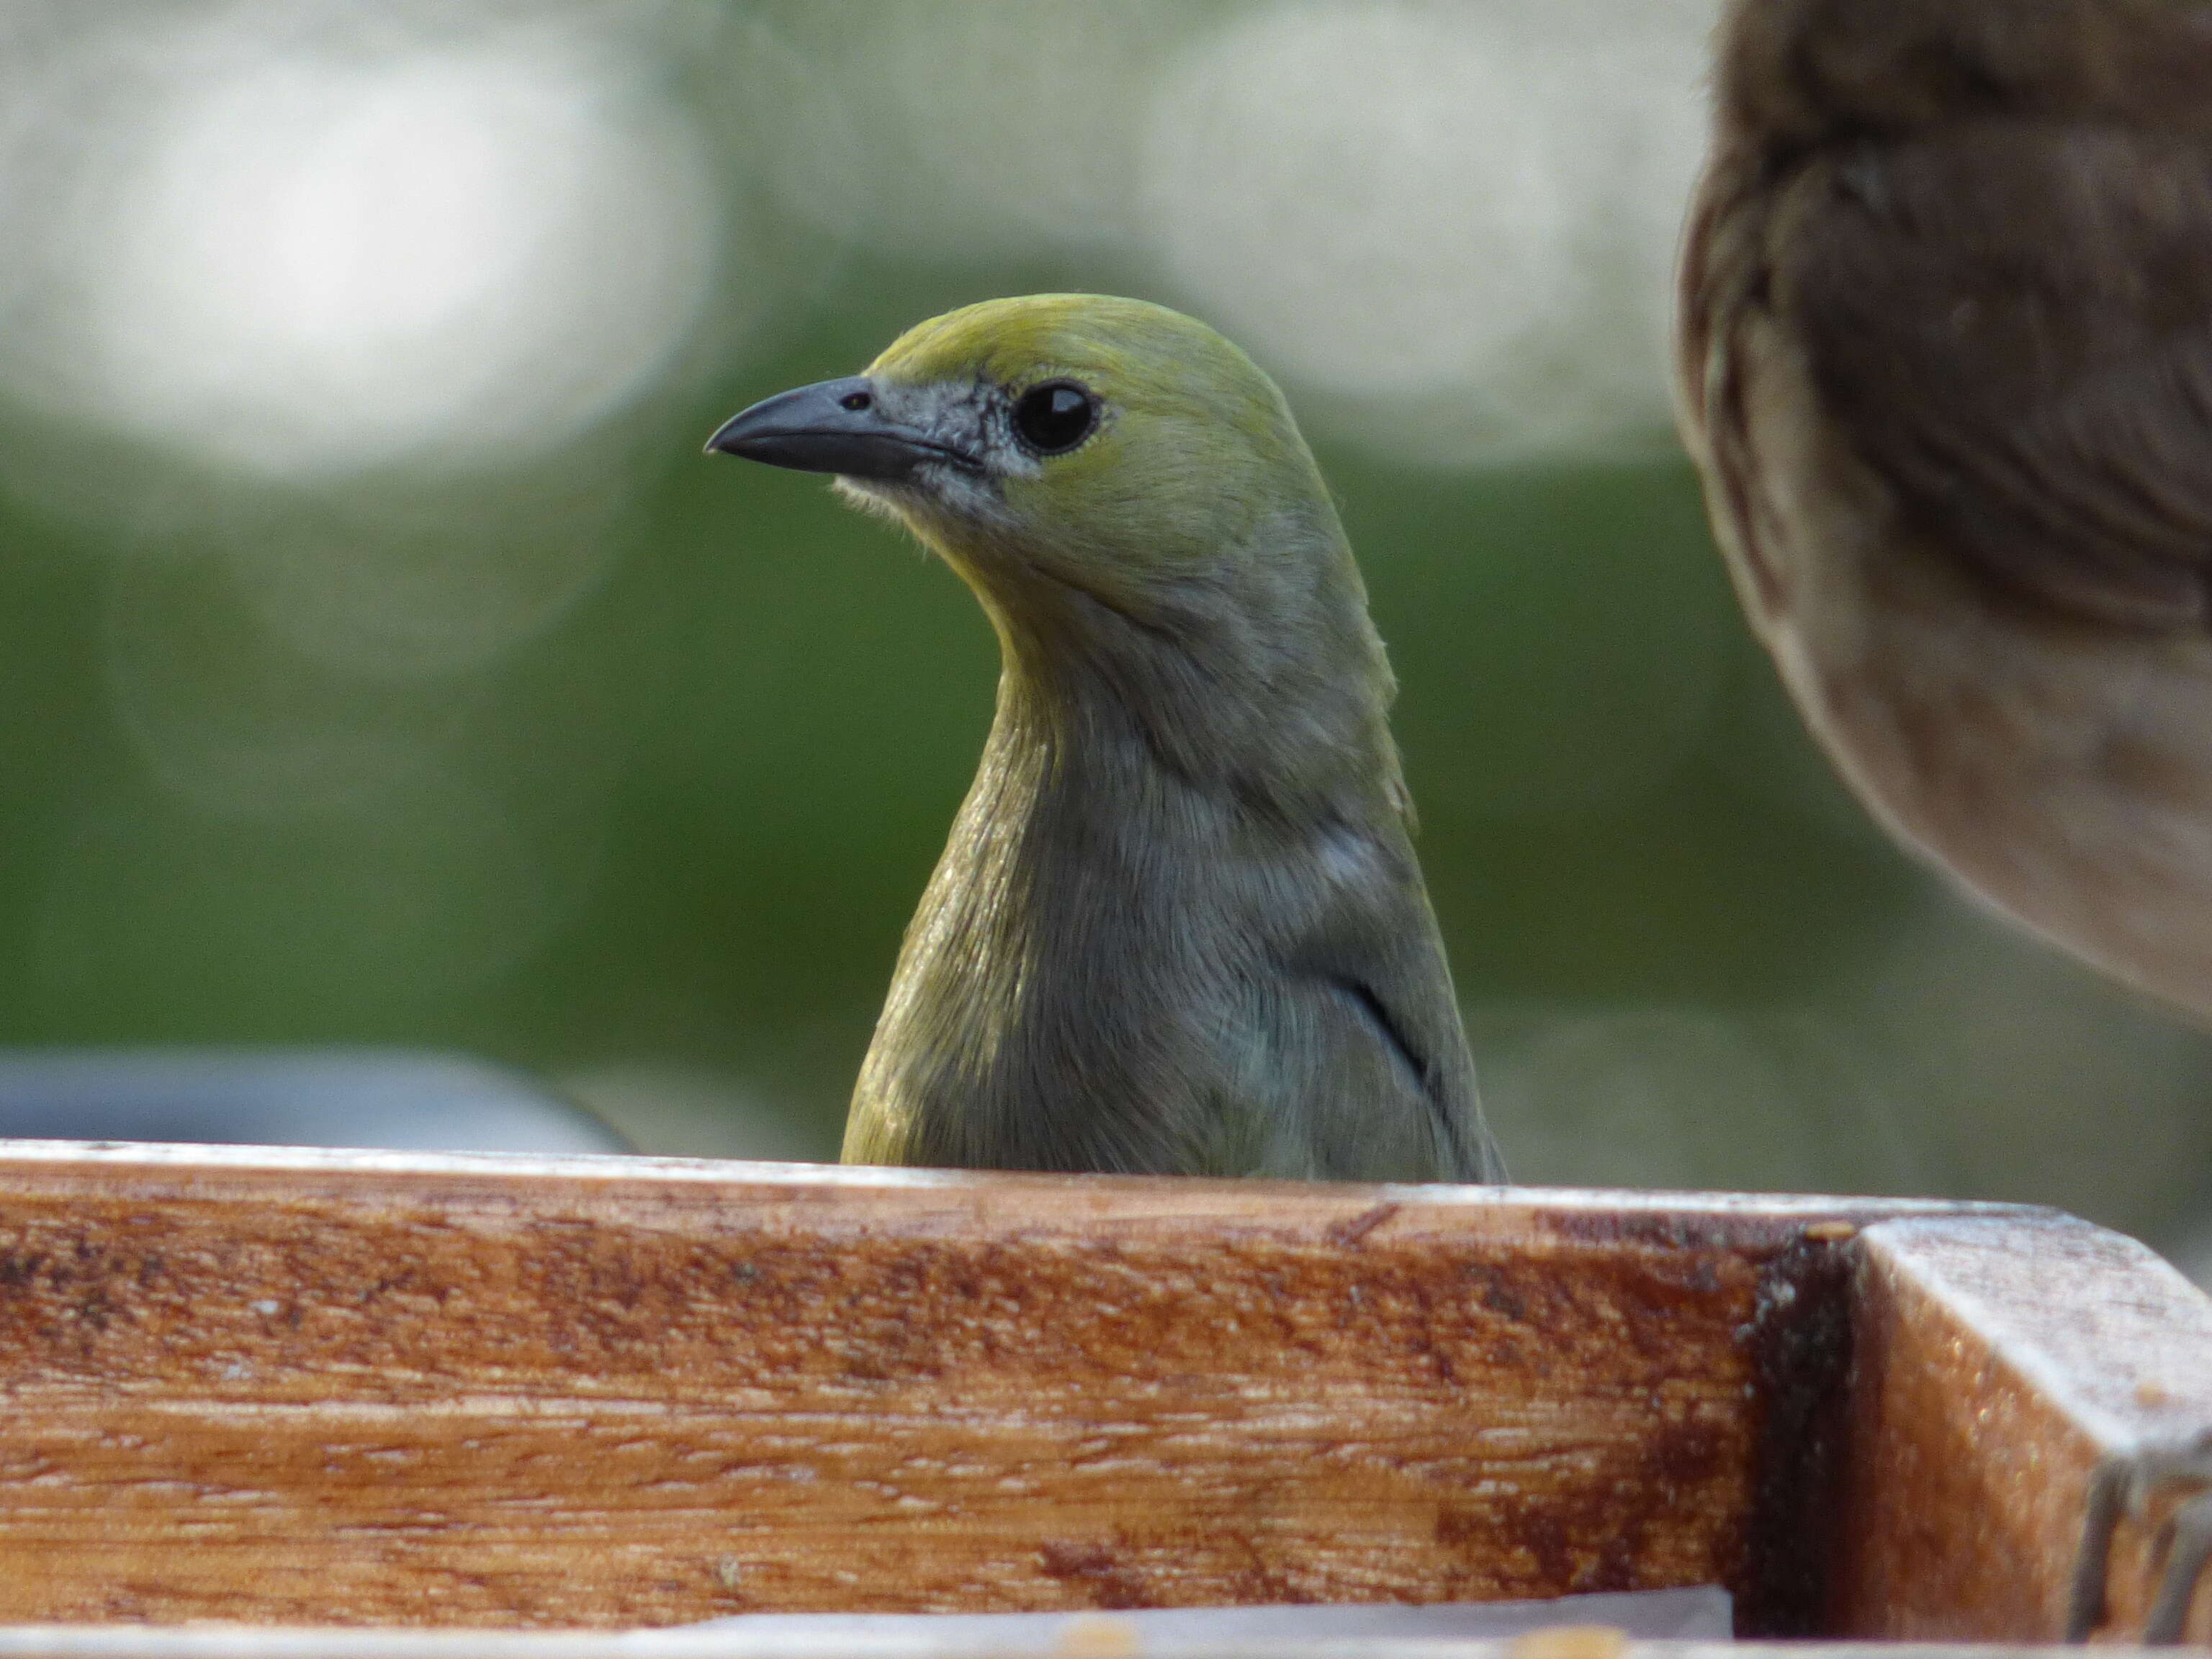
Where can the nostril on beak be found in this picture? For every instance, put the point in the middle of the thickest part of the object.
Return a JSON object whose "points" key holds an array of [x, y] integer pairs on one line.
{"points": [[855, 401]]}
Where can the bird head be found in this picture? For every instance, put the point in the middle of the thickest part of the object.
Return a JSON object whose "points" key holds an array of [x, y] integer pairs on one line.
{"points": [[1067, 451]]}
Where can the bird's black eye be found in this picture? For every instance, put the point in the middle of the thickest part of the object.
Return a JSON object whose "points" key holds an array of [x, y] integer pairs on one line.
{"points": [[855, 401], [1053, 418]]}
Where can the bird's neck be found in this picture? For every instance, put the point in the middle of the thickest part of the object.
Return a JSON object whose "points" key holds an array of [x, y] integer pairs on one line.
{"points": [[1126, 807], [1283, 717], [1160, 772]]}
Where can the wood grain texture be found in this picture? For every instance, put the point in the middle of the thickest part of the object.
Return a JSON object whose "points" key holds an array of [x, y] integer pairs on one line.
{"points": [[376, 1388], [1992, 1368]]}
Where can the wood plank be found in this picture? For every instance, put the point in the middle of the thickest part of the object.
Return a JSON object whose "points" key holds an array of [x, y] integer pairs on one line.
{"points": [[300, 1387], [1992, 1368]]}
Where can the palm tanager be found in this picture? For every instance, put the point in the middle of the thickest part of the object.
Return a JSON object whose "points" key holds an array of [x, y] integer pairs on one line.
{"points": [[1179, 927]]}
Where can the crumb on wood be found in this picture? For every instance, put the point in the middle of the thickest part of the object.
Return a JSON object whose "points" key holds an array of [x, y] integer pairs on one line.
{"points": [[1100, 1639], [1572, 1642]]}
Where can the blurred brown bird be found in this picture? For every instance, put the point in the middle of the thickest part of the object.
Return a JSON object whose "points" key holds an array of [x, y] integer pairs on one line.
{"points": [[1945, 361]]}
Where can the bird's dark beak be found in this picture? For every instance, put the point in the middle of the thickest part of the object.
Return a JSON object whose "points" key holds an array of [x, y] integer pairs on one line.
{"points": [[835, 426]]}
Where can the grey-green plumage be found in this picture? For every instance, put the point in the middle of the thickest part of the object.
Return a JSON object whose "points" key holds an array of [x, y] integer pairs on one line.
{"points": [[1179, 927]]}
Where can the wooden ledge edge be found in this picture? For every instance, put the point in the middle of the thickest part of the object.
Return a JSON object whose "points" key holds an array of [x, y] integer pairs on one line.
{"points": [[32, 1159]]}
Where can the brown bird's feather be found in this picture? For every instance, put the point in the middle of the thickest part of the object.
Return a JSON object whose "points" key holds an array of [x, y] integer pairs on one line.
{"points": [[1945, 359]]}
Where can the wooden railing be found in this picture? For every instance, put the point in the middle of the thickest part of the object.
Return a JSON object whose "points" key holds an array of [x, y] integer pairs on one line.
{"points": [[283, 1388]]}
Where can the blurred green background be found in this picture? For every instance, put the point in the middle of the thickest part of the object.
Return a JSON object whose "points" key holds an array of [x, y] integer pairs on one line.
{"points": [[383, 663]]}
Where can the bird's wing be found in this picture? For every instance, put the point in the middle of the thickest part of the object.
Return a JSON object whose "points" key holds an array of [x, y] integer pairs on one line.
{"points": [[1417, 1037], [1365, 1029], [2012, 323]]}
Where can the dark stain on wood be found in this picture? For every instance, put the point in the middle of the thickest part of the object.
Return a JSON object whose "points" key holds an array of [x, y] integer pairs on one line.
{"points": [[1800, 1337]]}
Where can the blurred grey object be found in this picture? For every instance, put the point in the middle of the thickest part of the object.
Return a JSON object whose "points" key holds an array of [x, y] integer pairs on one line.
{"points": [[391, 1099], [1703, 1614]]}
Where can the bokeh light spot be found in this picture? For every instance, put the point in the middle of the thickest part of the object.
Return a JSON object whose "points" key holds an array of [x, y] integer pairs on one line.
{"points": [[321, 257], [1454, 223]]}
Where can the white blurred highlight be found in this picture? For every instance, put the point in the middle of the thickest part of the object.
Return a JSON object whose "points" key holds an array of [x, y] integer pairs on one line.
{"points": [[1455, 223], [309, 255]]}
